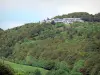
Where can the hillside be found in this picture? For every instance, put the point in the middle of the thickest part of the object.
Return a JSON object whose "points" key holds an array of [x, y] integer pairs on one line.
{"points": [[64, 49]]}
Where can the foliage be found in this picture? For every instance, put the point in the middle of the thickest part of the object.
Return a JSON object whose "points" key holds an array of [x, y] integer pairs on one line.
{"points": [[37, 72], [6, 70], [57, 72], [24, 69], [78, 68], [49, 65]]}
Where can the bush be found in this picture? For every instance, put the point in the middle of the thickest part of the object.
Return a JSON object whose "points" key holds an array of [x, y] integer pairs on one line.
{"points": [[62, 65], [37, 72], [49, 65], [57, 72], [6, 70], [78, 68]]}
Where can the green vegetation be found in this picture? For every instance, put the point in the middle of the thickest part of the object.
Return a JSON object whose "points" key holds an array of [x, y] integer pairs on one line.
{"points": [[6, 70], [52, 49], [23, 69]]}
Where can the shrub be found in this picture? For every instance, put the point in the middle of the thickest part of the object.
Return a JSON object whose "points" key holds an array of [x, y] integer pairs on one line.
{"points": [[6, 70], [37, 72], [78, 68], [57, 72], [62, 65], [49, 65]]}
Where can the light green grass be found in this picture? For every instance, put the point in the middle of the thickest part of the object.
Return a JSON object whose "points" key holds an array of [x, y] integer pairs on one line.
{"points": [[23, 68]]}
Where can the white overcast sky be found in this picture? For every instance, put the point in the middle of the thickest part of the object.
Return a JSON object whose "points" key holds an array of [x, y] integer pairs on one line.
{"points": [[17, 12]]}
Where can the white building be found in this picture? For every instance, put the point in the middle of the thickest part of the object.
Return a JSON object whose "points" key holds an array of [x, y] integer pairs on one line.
{"points": [[64, 20]]}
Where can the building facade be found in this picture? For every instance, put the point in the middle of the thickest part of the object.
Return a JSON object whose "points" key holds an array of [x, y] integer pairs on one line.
{"points": [[64, 20]]}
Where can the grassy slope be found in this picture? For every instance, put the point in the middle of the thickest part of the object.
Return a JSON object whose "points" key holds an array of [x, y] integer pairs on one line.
{"points": [[23, 68]]}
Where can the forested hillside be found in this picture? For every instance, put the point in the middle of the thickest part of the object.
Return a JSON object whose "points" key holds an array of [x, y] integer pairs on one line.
{"points": [[62, 49]]}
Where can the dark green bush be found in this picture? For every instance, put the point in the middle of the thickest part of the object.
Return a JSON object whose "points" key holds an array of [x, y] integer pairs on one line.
{"points": [[49, 65], [37, 72], [6, 70]]}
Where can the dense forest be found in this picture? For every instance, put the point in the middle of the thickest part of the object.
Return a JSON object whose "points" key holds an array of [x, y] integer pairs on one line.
{"points": [[53, 49]]}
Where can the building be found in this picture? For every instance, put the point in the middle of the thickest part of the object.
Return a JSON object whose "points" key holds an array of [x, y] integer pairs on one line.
{"points": [[64, 20]]}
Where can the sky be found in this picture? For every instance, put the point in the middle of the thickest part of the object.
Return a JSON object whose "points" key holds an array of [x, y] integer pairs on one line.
{"points": [[18, 12]]}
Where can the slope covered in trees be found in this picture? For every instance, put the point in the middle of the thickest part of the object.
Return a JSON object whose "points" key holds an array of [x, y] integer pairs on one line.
{"points": [[62, 49]]}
